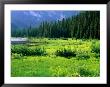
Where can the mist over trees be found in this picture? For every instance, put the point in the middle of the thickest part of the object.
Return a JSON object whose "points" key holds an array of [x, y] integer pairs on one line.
{"points": [[85, 25]]}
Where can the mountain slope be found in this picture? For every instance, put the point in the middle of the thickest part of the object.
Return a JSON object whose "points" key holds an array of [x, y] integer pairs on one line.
{"points": [[25, 19]]}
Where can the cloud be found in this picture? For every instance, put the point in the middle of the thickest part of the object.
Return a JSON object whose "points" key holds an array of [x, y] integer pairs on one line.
{"points": [[35, 14]]}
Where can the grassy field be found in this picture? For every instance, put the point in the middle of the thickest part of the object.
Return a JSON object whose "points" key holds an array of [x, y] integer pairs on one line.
{"points": [[64, 57]]}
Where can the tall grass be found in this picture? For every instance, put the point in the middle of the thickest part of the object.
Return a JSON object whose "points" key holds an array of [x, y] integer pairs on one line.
{"points": [[83, 55], [26, 51], [65, 53], [57, 58], [95, 47]]}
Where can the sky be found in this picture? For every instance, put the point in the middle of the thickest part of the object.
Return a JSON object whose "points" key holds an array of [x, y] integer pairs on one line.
{"points": [[49, 13]]}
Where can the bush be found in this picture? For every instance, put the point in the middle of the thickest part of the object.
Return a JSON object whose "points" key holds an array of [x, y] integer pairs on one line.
{"points": [[63, 38], [85, 72], [20, 50], [17, 56], [15, 49], [38, 51], [25, 51], [65, 53], [96, 55], [95, 47], [83, 55]]}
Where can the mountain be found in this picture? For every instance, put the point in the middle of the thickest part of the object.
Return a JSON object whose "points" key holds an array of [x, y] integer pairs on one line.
{"points": [[25, 19]]}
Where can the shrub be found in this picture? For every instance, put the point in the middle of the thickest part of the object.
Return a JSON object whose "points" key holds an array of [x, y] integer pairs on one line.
{"points": [[25, 51], [38, 51], [17, 56], [96, 55], [84, 72], [95, 47], [15, 49], [63, 38], [20, 50], [83, 55], [65, 53]]}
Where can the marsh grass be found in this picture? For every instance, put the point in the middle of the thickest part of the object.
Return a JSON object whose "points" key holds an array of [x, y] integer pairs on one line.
{"points": [[65, 53], [58, 58], [26, 51]]}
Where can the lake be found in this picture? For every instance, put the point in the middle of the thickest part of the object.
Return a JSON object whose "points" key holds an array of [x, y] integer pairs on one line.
{"points": [[18, 40]]}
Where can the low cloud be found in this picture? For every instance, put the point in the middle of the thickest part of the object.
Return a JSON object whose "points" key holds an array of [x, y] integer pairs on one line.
{"points": [[35, 14]]}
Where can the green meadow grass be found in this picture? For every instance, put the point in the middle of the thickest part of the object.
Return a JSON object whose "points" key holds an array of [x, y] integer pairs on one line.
{"points": [[86, 63]]}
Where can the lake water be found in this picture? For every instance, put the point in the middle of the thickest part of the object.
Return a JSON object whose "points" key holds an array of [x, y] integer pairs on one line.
{"points": [[18, 40]]}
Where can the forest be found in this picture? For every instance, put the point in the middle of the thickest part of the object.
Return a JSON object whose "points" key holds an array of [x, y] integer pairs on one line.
{"points": [[83, 26]]}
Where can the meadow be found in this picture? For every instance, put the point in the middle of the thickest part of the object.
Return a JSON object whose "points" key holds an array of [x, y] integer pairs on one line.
{"points": [[56, 57]]}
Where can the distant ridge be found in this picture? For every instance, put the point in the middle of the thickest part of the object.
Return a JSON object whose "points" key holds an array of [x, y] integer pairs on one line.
{"points": [[25, 19]]}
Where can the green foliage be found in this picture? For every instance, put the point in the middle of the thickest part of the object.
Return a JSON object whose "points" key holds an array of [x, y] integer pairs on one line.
{"points": [[54, 67], [38, 51], [65, 52], [14, 49], [81, 63], [84, 72], [63, 38], [17, 56], [95, 47], [97, 55], [58, 71], [83, 55], [26, 51]]}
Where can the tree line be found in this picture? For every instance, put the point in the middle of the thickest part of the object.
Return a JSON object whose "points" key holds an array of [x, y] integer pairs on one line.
{"points": [[85, 25]]}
